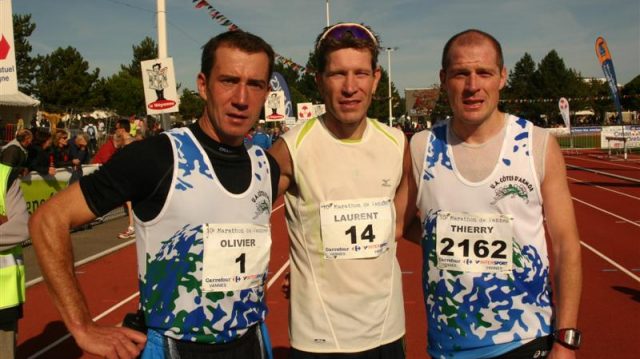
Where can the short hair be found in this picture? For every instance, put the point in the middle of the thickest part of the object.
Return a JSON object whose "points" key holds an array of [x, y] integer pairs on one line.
{"points": [[236, 39], [124, 124], [82, 135], [472, 37], [23, 135], [326, 45], [58, 135], [40, 137]]}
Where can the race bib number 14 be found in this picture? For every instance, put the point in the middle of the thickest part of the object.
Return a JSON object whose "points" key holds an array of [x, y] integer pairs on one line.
{"points": [[478, 243], [356, 228]]}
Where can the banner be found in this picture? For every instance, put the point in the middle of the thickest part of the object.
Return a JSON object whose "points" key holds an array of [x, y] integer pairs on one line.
{"points": [[420, 102], [37, 188], [159, 82], [563, 104], [278, 83], [604, 57], [274, 107], [305, 111], [8, 72]]}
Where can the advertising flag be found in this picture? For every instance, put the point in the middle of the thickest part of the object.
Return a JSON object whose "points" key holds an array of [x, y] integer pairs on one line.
{"points": [[604, 56], [563, 104], [8, 72]]}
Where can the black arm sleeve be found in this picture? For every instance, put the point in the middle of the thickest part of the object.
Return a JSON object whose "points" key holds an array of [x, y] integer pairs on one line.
{"points": [[132, 174]]}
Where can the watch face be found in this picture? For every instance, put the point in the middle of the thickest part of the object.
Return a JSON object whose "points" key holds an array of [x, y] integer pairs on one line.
{"points": [[569, 337]]}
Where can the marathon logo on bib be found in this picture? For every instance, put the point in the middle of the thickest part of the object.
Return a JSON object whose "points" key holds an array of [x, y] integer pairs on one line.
{"points": [[477, 243], [357, 228], [236, 256]]}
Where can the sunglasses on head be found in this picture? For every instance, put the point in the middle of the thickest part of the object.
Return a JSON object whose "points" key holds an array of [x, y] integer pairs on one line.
{"points": [[356, 31]]}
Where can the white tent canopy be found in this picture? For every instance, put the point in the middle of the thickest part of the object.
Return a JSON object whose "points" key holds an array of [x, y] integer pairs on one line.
{"points": [[18, 99], [17, 104], [584, 113]]}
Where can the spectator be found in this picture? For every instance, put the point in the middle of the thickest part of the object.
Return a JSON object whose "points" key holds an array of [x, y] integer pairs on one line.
{"points": [[111, 145], [15, 153], [262, 139], [13, 231], [60, 148], [40, 154], [91, 130]]}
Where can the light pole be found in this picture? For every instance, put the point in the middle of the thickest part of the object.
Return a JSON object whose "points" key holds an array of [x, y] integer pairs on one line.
{"points": [[161, 16], [328, 21], [389, 49]]}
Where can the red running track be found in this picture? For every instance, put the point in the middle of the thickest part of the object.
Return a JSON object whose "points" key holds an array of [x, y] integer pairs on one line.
{"points": [[609, 223]]}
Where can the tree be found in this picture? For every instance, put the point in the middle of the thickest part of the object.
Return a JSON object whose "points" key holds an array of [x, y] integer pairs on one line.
{"points": [[26, 65], [63, 81], [521, 89], [631, 95], [380, 105], [554, 80], [146, 50], [124, 93], [306, 83], [191, 105], [442, 109]]}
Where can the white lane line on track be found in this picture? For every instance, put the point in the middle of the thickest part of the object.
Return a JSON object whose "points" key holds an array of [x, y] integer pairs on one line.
{"points": [[600, 161], [604, 188], [98, 317], [87, 260], [131, 297], [607, 212], [612, 262], [598, 253], [635, 180]]}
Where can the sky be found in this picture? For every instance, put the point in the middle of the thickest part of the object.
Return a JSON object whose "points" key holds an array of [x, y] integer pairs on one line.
{"points": [[104, 31]]}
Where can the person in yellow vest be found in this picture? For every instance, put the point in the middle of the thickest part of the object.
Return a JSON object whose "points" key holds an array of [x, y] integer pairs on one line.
{"points": [[14, 230]]}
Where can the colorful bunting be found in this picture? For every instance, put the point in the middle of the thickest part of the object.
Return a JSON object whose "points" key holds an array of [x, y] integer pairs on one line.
{"points": [[224, 21]]}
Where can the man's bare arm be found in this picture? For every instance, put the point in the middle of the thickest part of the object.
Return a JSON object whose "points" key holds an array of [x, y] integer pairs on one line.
{"points": [[280, 152], [565, 243], [49, 227], [405, 199]]}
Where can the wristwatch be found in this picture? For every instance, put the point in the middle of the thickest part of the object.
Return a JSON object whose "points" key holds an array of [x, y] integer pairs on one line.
{"points": [[569, 337]]}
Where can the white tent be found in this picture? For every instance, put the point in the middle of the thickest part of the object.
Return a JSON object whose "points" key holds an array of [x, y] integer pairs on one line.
{"points": [[584, 113], [17, 104]]}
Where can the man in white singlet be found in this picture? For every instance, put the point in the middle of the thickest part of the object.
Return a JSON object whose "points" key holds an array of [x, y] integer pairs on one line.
{"points": [[484, 179], [344, 176], [202, 203]]}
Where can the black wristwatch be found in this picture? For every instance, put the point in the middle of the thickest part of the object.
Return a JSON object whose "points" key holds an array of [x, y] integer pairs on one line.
{"points": [[569, 337]]}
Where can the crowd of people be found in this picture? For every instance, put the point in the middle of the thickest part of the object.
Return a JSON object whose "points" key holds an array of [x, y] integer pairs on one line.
{"points": [[202, 196]]}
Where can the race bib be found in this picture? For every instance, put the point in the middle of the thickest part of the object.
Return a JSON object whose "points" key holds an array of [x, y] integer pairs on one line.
{"points": [[236, 256], [478, 243], [356, 228]]}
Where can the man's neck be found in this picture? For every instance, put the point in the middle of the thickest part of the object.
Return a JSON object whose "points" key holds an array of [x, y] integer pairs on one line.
{"points": [[345, 131], [479, 133]]}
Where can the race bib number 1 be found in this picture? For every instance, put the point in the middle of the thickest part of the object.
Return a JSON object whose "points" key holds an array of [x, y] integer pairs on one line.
{"points": [[356, 228], [478, 243], [236, 256]]}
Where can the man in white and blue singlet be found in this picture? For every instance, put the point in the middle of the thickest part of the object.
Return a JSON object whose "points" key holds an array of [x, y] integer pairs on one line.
{"points": [[484, 179], [202, 204], [344, 175]]}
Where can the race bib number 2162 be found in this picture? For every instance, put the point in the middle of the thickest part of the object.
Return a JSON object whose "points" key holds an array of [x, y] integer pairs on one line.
{"points": [[478, 243]]}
